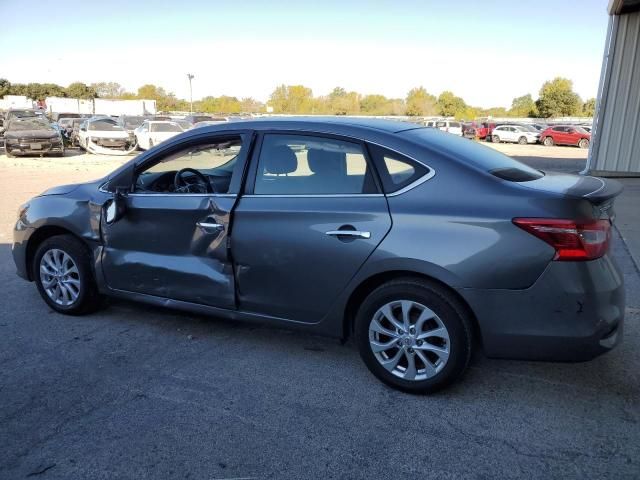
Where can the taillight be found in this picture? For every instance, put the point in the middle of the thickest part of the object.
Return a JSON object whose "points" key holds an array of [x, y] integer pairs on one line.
{"points": [[572, 240]]}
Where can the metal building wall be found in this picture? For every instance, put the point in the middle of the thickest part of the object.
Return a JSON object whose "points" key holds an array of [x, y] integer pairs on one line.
{"points": [[616, 141]]}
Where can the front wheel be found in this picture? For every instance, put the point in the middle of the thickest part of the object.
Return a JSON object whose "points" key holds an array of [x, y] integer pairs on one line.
{"points": [[548, 142], [62, 272], [414, 335], [495, 139], [584, 143]]}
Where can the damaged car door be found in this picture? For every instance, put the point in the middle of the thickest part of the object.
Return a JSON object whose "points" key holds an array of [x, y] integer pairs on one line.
{"points": [[171, 239]]}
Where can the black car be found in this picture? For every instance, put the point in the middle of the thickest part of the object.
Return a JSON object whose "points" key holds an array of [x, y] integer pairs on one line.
{"points": [[32, 135], [195, 118], [130, 123]]}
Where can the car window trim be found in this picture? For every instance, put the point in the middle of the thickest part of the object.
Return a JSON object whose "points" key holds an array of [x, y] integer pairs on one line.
{"points": [[249, 190]]}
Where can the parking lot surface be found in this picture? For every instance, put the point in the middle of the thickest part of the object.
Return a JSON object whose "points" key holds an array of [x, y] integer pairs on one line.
{"points": [[146, 393]]}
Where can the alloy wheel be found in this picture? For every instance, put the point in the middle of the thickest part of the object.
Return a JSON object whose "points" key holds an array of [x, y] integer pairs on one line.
{"points": [[409, 340], [60, 277]]}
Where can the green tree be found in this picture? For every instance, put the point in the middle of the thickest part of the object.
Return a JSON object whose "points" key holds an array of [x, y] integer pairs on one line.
{"points": [[450, 105], [341, 102], [5, 87], [557, 99], [375, 105], [251, 105], [107, 89], [589, 107], [420, 103], [80, 90], [221, 105], [151, 92], [292, 99], [523, 106]]}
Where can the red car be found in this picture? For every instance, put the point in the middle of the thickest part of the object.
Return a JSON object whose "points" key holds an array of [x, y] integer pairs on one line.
{"points": [[565, 135]]}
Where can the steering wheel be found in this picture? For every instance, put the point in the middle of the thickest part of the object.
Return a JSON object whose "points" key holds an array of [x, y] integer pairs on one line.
{"points": [[180, 182]]}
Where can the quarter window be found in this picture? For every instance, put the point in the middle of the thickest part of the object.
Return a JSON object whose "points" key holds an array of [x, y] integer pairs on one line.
{"points": [[309, 165], [396, 171]]}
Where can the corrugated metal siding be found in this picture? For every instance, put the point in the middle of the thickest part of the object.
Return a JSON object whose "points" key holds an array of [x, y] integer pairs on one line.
{"points": [[617, 137]]}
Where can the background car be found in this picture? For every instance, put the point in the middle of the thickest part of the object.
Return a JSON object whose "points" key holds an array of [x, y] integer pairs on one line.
{"points": [[153, 132], [130, 123], [450, 126], [32, 135], [195, 118], [565, 135], [213, 121], [102, 132], [515, 134]]}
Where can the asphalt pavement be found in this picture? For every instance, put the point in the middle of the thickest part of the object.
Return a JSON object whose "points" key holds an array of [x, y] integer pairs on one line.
{"points": [[147, 393]]}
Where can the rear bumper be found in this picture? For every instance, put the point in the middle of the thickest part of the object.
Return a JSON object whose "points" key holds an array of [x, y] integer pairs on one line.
{"points": [[573, 312]]}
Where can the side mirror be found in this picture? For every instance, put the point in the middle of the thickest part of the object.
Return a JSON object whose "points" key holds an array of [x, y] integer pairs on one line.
{"points": [[114, 208]]}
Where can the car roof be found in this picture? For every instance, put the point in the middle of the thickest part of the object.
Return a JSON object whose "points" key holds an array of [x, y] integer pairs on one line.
{"points": [[372, 125]]}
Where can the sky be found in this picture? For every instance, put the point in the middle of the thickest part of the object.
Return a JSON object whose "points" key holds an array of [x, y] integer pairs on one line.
{"points": [[486, 52]]}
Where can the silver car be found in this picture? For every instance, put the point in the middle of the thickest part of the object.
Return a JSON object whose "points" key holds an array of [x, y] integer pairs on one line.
{"points": [[421, 245]]}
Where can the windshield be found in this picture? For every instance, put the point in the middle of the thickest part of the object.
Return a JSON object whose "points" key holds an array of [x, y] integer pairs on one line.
{"points": [[28, 123], [580, 130], [106, 124], [528, 128], [165, 127], [133, 122]]}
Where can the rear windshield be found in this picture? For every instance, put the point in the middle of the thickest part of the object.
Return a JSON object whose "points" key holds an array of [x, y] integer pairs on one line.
{"points": [[480, 156]]}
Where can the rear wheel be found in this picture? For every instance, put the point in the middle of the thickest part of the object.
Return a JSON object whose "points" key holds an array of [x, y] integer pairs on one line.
{"points": [[63, 275], [495, 139], [583, 143], [548, 142], [150, 143], [522, 140], [414, 335]]}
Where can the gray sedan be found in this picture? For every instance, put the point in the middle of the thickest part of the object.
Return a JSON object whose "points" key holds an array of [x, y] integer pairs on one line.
{"points": [[421, 245]]}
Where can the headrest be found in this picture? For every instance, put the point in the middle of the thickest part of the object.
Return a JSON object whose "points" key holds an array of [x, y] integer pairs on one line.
{"points": [[279, 159], [325, 161]]}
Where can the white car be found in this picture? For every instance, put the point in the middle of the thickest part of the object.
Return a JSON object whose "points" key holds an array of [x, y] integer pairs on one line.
{"points": [[153, 132], [515, 133], [102, 132], [449, 126]]}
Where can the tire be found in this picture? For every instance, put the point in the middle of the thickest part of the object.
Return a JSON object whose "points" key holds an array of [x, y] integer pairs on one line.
{"points": [[7, 152], [495, 138], [80, 282], [547, 142], [583, 143], [150, 143], [522, 140], [421, 297]]}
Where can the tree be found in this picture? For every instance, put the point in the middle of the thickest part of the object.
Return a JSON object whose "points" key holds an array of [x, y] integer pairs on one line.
{"points": [[108, 89], [292, 99], [375, 105], [450, 105], [557, 99], [523, 106], [420, 103], [251, 105], [341, 102], [80, 90], [223, 104], [589, 107], [5, 87], [151, 92]]}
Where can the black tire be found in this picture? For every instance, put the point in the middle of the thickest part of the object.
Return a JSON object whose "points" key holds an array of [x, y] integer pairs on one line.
{"points": [[150, 143], [445, 305], [7, 152], [495, 138], [522, 140], [88, 299], [583, 143], [547, 142]]}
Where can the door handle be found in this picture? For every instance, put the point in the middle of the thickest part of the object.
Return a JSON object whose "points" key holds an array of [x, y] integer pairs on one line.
{"points": [[348, 233], [206, 226]]}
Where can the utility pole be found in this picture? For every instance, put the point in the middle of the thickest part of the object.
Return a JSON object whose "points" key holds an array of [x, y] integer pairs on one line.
{"points": [[190, 77]]}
